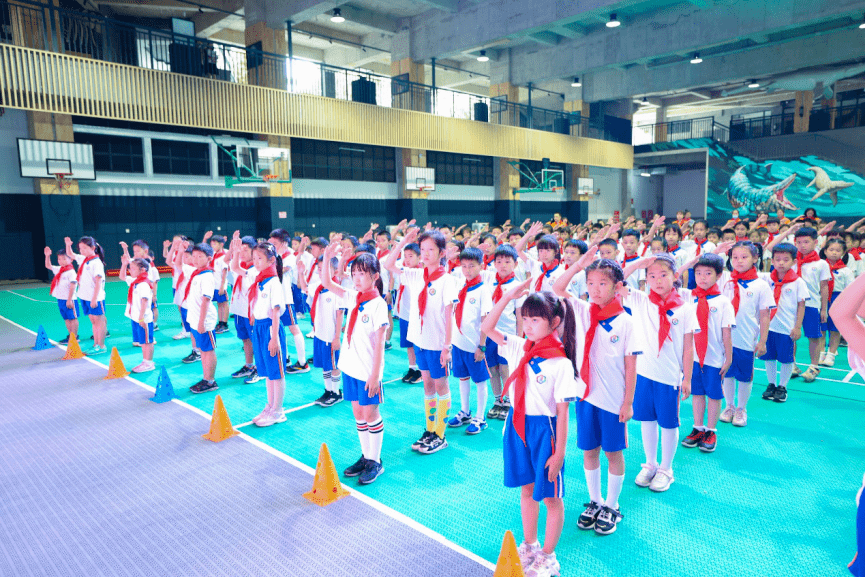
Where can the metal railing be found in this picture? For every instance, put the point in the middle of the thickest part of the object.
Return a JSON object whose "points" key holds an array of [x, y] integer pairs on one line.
{"points": [[850, 116], [680, 130], [774, 125]]}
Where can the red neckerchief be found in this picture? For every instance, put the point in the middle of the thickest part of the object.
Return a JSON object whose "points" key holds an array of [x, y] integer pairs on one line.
{"points": [[549, 347], [629, 259], [238, 282], [597, 314], [138, 280], [673, 300], [452, 264], [215, 258], [833, 267], [673, 248], [269, 272], [462, 300], [382, 253], [735, 277], [497, 292], [177, 256], [741, 238], [489, 258], [296, 253], [856, 253], [82, 265], [771, 237], [428, 279], [545, 270], [646, 247], [700, 245], [701, 339], [362, 298], [810, 257], [56, 280], [318, 291], [789, 277], [197, 272], [310, 273], [350, 260]]}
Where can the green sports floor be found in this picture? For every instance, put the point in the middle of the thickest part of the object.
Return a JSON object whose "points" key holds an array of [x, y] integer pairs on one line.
{"points": [[776, 498]]}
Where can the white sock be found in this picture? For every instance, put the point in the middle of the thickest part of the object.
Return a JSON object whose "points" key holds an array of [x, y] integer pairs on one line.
{"points": [[483, 392], [669, 444], [300, 347], [326, 376], [744, 394], [465, 391], [700, 428], [784, 373], [771, 374], [336, 380], [593, 482], [412, 367], [729, 392], [376, 436], [650, 441], [614, 489], [363, 434]]}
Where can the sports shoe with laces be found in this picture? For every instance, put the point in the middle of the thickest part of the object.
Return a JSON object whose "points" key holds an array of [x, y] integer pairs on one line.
{"points": [[662, 481], [253, 378], [822, 358], [693, 439], [810, 375], [726, 415], [221, 328], [416, 377], [372, 472], [324, 396], [270, 418], [708, 442], [544, 565], [769, 393], [796, 371], [527, 553], [461, 419], [192, 357], [645, 476], [297, 368], [476, 426], [424, 439], [180, 336], [262, 414], [780, 395], [607, 521], [494, 411], [406, 378], [740, 419], [242, 372], [589, 516], [356, 469], [144, 367], [203, 386], [332, 399], [829, 361], [434, 445]]}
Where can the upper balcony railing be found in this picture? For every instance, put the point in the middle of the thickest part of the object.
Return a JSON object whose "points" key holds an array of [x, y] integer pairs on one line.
{"points": [[680, 130], [49, 28]]}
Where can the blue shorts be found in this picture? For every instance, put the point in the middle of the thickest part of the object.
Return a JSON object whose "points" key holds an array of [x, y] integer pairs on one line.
{"points": [[404, 343], [323, 357], [141, 336], [492, 354], [204, 341], [299, 299], [430, 361], [288, 317], [220, 298], [599, 428], [67, 313], [269, 366], [742, 367], [355, 390], [779, 348], [830, 324], [242, 328], [464, 365], [654, 401], [154, 305], [525, 463], [186, 326], [707, 381], [96, 311], [811, 325]]}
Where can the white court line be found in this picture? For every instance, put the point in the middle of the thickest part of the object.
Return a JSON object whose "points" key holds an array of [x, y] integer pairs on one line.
{"points": [[392, 381], [846, 381], [378, 506], [51, 302]]}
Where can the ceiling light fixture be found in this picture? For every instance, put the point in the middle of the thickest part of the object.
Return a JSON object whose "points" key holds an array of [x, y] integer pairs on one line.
{"points": [[576, 83], [645, 173], [645, 101], [483, 57], [613, 21], [696, 59], [753, 84], [337, 16], [862, 26]]}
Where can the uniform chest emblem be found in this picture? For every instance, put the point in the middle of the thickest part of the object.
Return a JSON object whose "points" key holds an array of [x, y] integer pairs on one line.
{"points": [[675, 321], [750, 293], [541, 379], [364, 319], [614, 339], [472, 300], [432, 291], [788, 291], [713, 309]]}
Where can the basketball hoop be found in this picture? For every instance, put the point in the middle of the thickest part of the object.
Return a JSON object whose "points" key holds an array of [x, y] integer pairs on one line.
{"points": [[268, 178], [424, 189], [64, 182]]}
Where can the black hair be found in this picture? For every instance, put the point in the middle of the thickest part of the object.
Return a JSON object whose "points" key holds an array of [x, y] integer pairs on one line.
{"points": [[831, 241], [189, 249], [506, 251], [516, 232], [249, 241], [141, 244], [281, 234], [631, 232], [611, 268], [413, 247], [296, 238], [806, 231], [546, 305], [772, 221], [548, 242], [746, 244], [483, 238], [365, 248], [205, 248], [608, 242], [675, 228], [350, 238], [741, 223], [384, 233], [62, 251], [435, 236], [785, 247], [712, 261], [728, 231], [702, 221], [474, 254], [141, 263], [91, 242], [270, 252], [579, 244], [366, 262], [836, 232], [320, 242], [668, 260], [661, 240], [813, 211], [715, 230], [218, 238], [458, 243]]}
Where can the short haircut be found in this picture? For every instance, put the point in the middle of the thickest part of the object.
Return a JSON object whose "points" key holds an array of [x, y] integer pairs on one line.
{"points": [[661, 240], [384, 233], [631, 232], [474, 254], [772, 221], [249, 241], [281, 234], [205, 248], [785, 247], [714, 230], [506, 251], [364, 248], [139, 243], [728, 231], [700, 221], [611, 268], [806, 231], [320, 242], [351, 238], [458, 243], [712, 261], [485, 237], [675, 228], [218, 238], [516, 232], [579, 244], [608, 242], [413, 247]]}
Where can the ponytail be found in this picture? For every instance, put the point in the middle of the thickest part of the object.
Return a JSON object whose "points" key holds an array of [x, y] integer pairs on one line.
{"points": [[569, 334], [97, 248], [279, 267], [379, 284], [100, 252]]}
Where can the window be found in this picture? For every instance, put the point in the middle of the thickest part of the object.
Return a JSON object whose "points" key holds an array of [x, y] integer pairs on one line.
{"points": [[536, 166], [181, 158], [466, 169], [324, 160], [114, 153], [225, 163]]}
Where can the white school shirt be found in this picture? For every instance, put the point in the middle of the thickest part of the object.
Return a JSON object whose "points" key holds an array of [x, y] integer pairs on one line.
{"points": [[508, 320], [133, 309], [440, 293], [792, 294], [468, 339], [691, 247], [356, 357], [548, 382], [615, 338], [180, 290], [633, 281], [521, 269], [87, 284], [220, 265], [755, 297], [813, 273], [69, 277], [325, 311], [681, 255], [843, 278], [664, 366], [404, 302], [721, 316], [270, 296], [550, 277], [577, 286], [289, 275], [153, 274], [239, 304], [201, 290]]}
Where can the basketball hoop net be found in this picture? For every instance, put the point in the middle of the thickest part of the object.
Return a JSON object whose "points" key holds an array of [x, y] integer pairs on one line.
{"points": [[424, 189], [268, 178], [64, 182]]}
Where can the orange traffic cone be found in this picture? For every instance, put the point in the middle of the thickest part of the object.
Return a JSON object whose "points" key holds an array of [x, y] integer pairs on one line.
{"points": [[326, 487], [73, 349], [116, 370], [220, 424], [509, 564]]}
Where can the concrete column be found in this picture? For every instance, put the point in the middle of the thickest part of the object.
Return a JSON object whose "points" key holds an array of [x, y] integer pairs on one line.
{"points": [[415, 98], [583, 108], [802, 110], [269, 72]]}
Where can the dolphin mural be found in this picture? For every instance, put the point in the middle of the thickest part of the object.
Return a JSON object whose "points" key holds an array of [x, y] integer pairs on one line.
{"points": [[743, 194]]}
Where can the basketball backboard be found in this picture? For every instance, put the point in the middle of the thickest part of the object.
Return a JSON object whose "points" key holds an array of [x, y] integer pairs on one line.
{"points": [[48, 158], [419, 178]]}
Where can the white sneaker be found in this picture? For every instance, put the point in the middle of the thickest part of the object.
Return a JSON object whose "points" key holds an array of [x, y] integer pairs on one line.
{"points": [[740, 419], [829, 361], [727, 415], [644, 479], [310, 335], [662, 481], [822, 358], [544, 566], [261, 415], [144, 367], [278, 415], [527, 553], [180, 336]]}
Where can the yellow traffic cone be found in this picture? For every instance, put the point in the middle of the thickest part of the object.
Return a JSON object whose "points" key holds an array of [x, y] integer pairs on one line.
{"points": [[116, 370], [73, 349], [220, 424], [326, 487], [509, 564]]}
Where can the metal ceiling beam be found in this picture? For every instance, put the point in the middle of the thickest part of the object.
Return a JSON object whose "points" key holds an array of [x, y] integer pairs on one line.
{"points": [[446, 5], [546, 37], [208, 23]]}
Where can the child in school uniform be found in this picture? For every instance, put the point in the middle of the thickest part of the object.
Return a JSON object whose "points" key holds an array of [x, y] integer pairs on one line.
{"points": [[63, 287], [402, 305], [673, 236], [220, 277], [697, 247], [630, 245], [468, 350], [138, 307], [140, 249], [91, 287], [182, 263], [382, 249], [543, 381], [241, 265], [571, 253], [266, 303], [170, 250], [547, 268], [327, 314], [785, 326], [281, 240], [834, 253], [201, 315], [362, 356], [434, 294], [664, 369]]}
